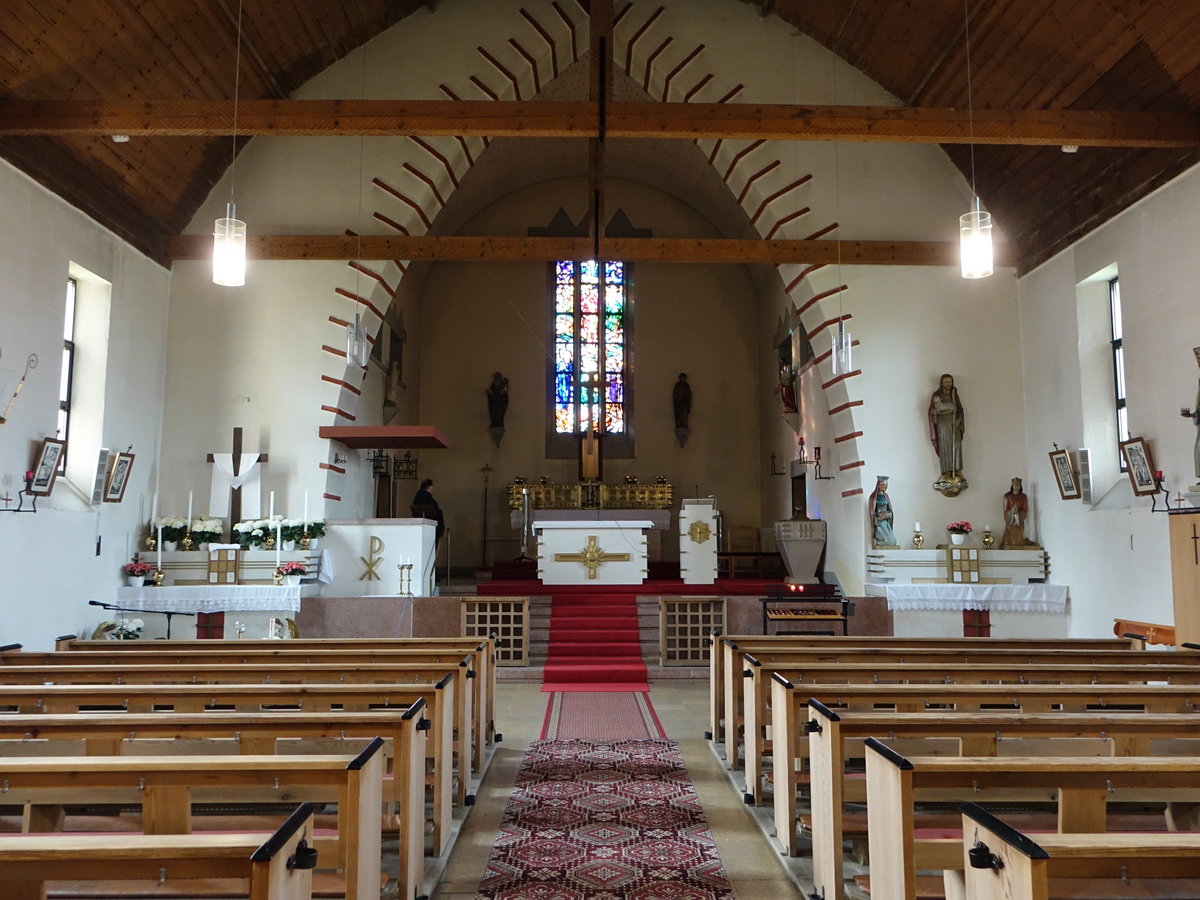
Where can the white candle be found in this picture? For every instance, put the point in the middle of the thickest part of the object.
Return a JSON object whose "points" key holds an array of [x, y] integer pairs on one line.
{"points": [[158, 550], [271, 514], [304, 521], [189, 518], [278, 541], [154, 509], [916, 526]]}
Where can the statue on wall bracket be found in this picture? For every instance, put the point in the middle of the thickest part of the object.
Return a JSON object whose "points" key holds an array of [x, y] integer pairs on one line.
{"points": [[681, 401], [497, 400], [946, 428]]}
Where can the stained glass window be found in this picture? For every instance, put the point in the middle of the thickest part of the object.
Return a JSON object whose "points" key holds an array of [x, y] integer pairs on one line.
{"points": [[589, 347]]}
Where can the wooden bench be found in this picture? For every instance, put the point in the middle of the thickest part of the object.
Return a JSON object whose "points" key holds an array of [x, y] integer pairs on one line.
{"points": [[1000, 863], [757, 678], [1082, 788], [725, 666], [323, 651], [281, 670], [830, 734], [112, 734], [278, 869], [165, 787]]}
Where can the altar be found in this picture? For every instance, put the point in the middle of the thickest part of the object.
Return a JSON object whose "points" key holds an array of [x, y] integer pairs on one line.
{"points": [[600, 551], [367, 556], [1011, 610], [253, 610]]}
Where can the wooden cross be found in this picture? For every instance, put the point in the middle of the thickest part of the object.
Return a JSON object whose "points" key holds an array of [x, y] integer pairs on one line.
{"points": [[235, 496], [592, 556], [1195, 545]]}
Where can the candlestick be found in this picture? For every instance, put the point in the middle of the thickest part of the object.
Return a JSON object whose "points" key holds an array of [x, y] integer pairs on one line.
{"points": [[158, 549], [916, 526], [271, 514], [278, 541], [304, 521], [154, 509], [189, 519]]}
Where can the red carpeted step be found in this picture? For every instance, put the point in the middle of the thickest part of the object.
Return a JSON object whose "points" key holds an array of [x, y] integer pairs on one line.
{"points": [[594, 640], [608, 671], [597, 636], [615, 649]]}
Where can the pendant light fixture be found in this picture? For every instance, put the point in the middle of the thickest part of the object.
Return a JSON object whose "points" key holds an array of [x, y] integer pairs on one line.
{"points": [[358, 348], [974, 227], [840, 347], [229, 232]]}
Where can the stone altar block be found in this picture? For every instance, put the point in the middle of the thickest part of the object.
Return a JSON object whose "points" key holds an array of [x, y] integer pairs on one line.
{"points": [[698, 541], [364, 554], [596, 552]]}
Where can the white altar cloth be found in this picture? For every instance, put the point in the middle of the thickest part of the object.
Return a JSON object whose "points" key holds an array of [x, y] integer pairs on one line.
{"points": [[1045, 598], [201, 598]]}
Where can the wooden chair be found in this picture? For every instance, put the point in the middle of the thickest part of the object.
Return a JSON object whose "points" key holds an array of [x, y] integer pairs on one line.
{"points": [[742, 539]]}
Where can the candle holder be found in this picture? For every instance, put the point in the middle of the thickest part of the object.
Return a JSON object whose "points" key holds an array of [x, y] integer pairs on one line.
{"points": [[918, 540], [159, 575], [187, 543], [303, 542], [269, 543], [151, 543], [239, 628], [405, 579], [278, 578], [988, 539]]}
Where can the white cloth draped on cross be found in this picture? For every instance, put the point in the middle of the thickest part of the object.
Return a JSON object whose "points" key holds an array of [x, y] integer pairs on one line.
{"points": [[248, 480]]}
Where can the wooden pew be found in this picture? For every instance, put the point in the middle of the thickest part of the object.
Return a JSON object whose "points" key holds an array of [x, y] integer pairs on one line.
{"points": [[281, 670], [1001, 863], [913, 652], [728, 648], [112, 734], [828, 735], [327, 651], [165, 787], [278, 869], [1082, 787], [757, 679]]}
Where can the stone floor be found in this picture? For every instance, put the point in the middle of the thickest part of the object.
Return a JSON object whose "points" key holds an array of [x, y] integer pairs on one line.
{"points": [[755, 868]]}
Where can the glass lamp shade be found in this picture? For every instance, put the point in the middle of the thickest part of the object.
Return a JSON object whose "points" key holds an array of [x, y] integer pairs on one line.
{"points": [[975, 237], [229, 249], [840, 358]]}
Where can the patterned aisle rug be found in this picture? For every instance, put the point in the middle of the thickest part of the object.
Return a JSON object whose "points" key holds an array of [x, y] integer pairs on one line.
{"points": [[600, 716], [604, 821]]}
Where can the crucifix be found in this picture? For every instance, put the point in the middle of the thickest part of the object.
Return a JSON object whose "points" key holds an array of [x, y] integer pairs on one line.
{"points": [[592, 556], [235, 495]]}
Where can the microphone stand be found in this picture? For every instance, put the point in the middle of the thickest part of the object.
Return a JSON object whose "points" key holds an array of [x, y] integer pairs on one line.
{"points": [[158, 612]]}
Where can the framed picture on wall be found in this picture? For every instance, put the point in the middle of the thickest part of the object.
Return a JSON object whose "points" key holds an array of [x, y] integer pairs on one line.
{"points": [[45, 470], [1068, 484], [1140, 465], [118, 478]]}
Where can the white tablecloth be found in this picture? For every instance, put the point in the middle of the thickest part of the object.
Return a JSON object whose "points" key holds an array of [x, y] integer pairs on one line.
{"points": [[1047, 598], [194, 598]]}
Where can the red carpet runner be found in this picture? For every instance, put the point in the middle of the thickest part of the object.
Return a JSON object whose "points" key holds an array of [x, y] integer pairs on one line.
{"points": [[594, 644]]}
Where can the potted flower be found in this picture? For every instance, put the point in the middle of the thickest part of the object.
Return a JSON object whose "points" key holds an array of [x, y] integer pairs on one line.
{"points": [[291, 572], [172, 529], [958, 532], [136, 572], [124, 630], [207, 531], [250, 533], [290, 531], [315, 531]]}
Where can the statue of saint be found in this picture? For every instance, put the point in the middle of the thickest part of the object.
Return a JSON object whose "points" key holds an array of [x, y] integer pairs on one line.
{"points": [[1016, 509], [946, 428], [787, 388], [497, 399], [879, 507], [681, 400], [1194, 415]]}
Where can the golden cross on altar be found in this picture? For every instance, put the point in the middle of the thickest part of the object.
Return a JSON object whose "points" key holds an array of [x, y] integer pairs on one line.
{"points": [[591, 556]]}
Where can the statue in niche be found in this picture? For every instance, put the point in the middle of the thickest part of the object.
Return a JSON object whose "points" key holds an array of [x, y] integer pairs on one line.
{"points": [[946, 428], [879, 507], [1194, 415], [681, 400], [787, 388]]}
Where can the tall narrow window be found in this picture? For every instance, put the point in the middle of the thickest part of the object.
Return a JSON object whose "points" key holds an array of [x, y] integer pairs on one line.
{"points": [[590, 334], [1118, 360], [67, 378]]}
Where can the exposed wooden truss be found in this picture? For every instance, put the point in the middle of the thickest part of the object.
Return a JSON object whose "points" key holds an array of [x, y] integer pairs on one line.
{"points": [[534, 249], [201, 118]]}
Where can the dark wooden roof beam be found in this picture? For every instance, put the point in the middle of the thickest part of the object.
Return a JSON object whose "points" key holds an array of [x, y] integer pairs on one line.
{"points": [[747, 121]]}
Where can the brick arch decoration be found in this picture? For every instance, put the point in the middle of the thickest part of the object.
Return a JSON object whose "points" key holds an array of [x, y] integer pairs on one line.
{"points": [[546, 37]]}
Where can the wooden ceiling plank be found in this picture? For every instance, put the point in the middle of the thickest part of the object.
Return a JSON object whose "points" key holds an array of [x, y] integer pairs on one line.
{"points": [[625, 120], [539, 249], [53, 69], [1086, 42], [105, 47]]}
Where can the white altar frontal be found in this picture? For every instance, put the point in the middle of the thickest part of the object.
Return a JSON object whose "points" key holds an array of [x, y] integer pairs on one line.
{"points": [[365, 556], [698, 541], [592, 552]]}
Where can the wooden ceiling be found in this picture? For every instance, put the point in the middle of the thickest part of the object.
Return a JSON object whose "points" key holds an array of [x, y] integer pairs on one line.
{"points": [[1059, 58]]}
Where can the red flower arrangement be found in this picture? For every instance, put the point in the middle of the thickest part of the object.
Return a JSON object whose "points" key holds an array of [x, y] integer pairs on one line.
{"points": [[292, 567], [137, 569], [959, 528]]}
